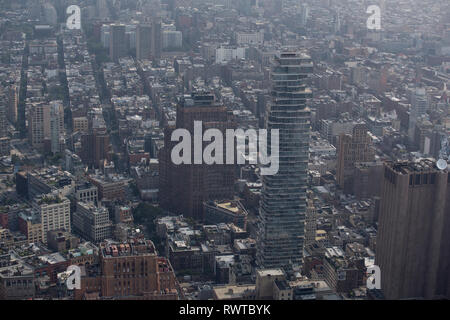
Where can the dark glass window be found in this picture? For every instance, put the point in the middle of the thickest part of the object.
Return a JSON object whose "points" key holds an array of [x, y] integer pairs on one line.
{"points": [[433, 178]]}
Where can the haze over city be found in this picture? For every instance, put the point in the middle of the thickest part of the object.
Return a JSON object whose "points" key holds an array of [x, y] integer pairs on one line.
{"points": [[245, 150]]}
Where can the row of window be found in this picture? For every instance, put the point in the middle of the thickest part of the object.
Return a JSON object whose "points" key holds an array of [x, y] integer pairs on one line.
{"points": [[422, 179]]}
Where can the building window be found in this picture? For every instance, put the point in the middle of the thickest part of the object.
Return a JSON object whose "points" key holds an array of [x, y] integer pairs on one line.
{"points": [[433, 178]]}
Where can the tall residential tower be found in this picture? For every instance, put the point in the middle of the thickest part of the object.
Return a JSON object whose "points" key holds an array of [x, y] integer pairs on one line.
{"points": [[283, 201]]}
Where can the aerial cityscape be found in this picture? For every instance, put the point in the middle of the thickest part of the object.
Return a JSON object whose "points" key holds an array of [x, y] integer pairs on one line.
{"points": [[195, 150]]}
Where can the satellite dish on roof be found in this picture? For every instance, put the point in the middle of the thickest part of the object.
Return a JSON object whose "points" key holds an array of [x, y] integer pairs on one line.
{"points": [[441, 164]]}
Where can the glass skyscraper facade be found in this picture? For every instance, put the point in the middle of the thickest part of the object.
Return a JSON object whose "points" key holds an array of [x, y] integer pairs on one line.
{"points": [[283, 199]]}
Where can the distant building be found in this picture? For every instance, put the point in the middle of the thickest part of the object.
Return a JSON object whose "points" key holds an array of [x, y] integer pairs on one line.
{"points": [[60, 240], [156, 46], [143, 41], [5, 146], [250, 38], [109, 188], [419, 107], [351, 150], [184, 257], [44, 181], [117, 42], [38, 124], [80, 124], [265, 282], [13, 103], [172, 39], [3, 119], [105, 34], [57, 127], [123, 214], [92, 222], [200, 182], [226, 54], [95, 148], [310, 223]]}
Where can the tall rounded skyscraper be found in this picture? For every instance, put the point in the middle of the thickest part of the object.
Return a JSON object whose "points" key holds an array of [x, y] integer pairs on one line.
{"points": [[283, 200]]}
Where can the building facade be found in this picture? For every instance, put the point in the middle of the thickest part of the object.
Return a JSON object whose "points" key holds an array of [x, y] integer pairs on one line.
{"points": [[351, 150], [117, 44], [413, 241], [92, 222], [143, 41], [54, 212], [57, 127], [184, 187], [131, 270], [38, 124]]}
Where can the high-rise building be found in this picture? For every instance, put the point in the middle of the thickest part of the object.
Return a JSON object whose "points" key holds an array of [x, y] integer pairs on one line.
{"points": [[310, 223], [419, 107], [117, 44], [413, 241], [4, 139], [46, 126], [304, 14], [57, 127], [352, 149], [105, 35], [143, 41], [38, 124], [95, 148], [283, 196], [3, 120], [156, 46], [13, 103], [184, 188]]}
